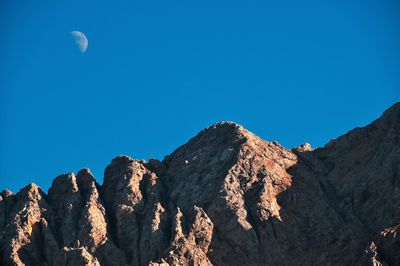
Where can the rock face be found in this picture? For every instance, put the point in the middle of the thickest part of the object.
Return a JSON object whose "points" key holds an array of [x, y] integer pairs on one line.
{"points": [[226, 197]]}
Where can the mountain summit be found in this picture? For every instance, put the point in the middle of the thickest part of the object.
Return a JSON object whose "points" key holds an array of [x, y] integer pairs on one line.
{"points": [[226, 197]]}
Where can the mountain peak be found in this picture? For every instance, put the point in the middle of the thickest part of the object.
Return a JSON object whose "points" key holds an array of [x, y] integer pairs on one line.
{"points": [[226, 197], [225, 129]]}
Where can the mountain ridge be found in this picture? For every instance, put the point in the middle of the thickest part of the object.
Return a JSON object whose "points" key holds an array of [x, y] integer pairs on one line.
{"points": [[226, 197]]}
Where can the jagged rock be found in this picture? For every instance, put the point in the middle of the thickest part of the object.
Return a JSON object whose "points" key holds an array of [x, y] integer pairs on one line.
{"points": [[190, 248], [66, 200], [79, 256], [7, 202], [22, 238], [226, 197]]}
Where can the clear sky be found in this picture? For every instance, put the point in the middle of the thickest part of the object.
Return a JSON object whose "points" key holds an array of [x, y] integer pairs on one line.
{"points": [[157, 72]]}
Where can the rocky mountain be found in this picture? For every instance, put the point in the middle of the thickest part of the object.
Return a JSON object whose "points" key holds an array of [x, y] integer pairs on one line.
{"points": [[226, 197]]}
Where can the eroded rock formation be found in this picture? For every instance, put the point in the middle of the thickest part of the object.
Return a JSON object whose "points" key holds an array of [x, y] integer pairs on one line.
{"points": [[226, 197]]}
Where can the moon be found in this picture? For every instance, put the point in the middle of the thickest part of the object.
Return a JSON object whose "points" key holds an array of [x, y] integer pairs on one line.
{"points": [[81, 40]]}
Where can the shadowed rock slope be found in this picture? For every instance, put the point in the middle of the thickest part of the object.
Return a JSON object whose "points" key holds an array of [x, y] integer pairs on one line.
{"points": [[226, 197]]}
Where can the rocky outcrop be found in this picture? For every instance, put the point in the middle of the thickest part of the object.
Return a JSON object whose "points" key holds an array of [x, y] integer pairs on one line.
{"points": [[226, 197]]}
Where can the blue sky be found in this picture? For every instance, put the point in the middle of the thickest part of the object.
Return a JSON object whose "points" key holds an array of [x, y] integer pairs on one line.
{"points": [[157, 72]]}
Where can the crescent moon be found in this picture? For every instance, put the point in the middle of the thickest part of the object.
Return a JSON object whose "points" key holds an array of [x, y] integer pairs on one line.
{"points": [[81, 40]]}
